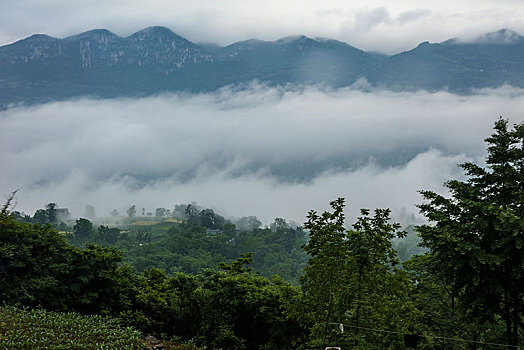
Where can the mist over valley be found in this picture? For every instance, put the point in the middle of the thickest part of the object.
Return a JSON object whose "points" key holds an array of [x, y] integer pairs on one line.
{"points": [[260, 150]]}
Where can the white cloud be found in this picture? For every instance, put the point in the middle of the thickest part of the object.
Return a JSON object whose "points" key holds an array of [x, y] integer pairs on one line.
{"points": [[371, 25], [261, 151]]}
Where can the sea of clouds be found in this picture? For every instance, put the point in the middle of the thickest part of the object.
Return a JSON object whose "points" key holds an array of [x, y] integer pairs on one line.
{"points": [[261, 150]]}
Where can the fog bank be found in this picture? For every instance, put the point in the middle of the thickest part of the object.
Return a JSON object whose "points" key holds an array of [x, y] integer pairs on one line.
{"points": [[261, 151]]}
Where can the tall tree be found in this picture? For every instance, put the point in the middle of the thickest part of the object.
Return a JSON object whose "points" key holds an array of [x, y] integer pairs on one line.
{"points": [[160, 212], [349, 275], [131, 212], [476, 236], [83, 229], [109, 235], [51, 212]]}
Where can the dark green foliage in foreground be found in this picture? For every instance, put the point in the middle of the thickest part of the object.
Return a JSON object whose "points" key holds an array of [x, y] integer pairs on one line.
{"points": [[39, 329], [349, 280], [476, 239], [38, 268], [218, 309]]}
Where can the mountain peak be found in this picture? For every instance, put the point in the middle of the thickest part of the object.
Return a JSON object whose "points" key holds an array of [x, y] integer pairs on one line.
{"points": [[94, 34], [39, 38], [155, 31], [500, 37], [293, 39], [157, 34], [503, 36]]}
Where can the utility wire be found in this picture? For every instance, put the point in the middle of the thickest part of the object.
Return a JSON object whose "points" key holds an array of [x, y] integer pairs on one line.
{"points": [[429, 335]]}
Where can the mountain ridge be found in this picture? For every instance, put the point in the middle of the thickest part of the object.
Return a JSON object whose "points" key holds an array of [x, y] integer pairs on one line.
{"points": [[505, 34], [100, 63]]}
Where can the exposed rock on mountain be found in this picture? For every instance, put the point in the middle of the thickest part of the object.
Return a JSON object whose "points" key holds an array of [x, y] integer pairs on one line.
{"points": [[100, 63]]}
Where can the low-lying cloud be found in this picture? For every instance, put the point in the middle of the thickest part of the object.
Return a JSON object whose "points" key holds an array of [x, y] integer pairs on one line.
{"points": [[261, 151]]}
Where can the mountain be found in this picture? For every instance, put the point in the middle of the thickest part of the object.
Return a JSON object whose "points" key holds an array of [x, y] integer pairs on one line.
{"points": [[97, 62], [298, 59], [100, 63], [490, 60]]}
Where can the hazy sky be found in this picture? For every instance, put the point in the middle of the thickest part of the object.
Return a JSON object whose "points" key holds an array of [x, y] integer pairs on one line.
{"points": [[263, 151], [387, 26]]}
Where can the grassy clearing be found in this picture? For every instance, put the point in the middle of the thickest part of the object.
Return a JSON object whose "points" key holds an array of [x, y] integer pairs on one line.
{"points": [[145, 223], [38, 329], [176, 221]]}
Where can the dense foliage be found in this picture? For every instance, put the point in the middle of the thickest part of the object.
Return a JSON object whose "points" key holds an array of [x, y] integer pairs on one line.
{"points": [[350, 275], [229, 308], [187, 239], [476, 241]]}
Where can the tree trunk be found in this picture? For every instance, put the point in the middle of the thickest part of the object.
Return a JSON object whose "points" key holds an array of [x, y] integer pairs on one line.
{"points": [[327, 320], [516, 298], [507, 319], [359, 292]]}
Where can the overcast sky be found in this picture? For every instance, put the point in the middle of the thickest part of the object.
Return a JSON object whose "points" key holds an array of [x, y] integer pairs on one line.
{"points": [[386, 26], [263, 151]]}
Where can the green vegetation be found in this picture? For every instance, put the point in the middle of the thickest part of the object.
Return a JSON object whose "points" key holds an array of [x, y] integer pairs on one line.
{"points": [[476, 239], [192, 248], [39, 329], [350, 275], [205, 283], [189, 239]]}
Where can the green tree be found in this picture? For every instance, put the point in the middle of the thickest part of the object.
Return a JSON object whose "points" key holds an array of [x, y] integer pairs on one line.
{"points": [[349, 275], [41, 217], [229, 229], [248, 223], [442, 312], [279, 224], [160, 212], [96, 283], [131, 211], [33, 261], [148, 236], [38, 268], [108, 235], [209, 219], [51, 212], [47, 215], [83, 229], [238, 266], [476, 235], [192, 215]]}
